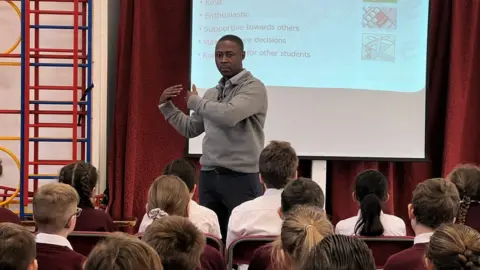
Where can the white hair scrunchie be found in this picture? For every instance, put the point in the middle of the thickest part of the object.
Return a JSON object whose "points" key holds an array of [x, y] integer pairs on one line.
{"points": [[157, 213]]}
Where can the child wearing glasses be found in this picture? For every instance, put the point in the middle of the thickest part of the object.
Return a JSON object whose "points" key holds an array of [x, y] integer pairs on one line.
{"points": [[55, 213]]}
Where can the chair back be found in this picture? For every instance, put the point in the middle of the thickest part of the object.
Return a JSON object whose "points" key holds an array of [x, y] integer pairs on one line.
{"points": [[241, 250], [385, 246], [215, 243], [84, 242]]}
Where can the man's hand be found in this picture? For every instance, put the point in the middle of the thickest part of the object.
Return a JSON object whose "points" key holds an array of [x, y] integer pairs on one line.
{"points": [[171, 92], [193, 92]]}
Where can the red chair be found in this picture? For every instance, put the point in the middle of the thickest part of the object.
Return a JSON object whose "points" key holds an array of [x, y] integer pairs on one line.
{"points": [[385, 246], [84, 242], [241, 250], [215, 243]]}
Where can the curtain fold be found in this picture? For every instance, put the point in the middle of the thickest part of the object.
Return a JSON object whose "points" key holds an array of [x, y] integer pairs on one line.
{"points": [[154, 53]]}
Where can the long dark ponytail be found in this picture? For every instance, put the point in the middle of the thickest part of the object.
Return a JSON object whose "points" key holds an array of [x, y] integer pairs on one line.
{"points": [[371, 189], [83, 177]]}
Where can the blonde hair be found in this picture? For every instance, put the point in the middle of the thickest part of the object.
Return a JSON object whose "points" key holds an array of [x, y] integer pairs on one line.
{"points": [[54, 204], [170, 194], [302, 229], [177, 241], [454, 246], [466, 178], [122, 251]]}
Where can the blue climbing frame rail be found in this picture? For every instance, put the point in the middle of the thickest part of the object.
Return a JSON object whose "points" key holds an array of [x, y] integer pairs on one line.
{"points": [[34, 59]]}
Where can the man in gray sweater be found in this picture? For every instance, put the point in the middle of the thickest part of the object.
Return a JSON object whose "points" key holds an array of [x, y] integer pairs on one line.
{"points": [[232, 115]]}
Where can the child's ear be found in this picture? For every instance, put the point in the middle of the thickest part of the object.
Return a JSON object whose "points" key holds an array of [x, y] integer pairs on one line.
{"points": [[33, 265], [280, 214]]}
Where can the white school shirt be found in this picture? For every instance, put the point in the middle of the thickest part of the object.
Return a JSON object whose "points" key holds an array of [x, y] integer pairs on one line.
{"points": [[392, 225], [203, 218], [256, 217], [53, 239], [422, 238]]}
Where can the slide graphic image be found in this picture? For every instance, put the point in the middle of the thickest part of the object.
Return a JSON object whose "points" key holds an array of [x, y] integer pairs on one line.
{"points": [[379, 18], [378, 47]]}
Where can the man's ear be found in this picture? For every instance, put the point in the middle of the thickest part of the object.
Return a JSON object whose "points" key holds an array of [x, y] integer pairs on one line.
{"points": [[243, 55]]}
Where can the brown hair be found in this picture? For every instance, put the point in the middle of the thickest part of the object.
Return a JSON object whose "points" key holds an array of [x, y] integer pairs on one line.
{"points": [[184, 169], [17, 247], [177, 241], [454, 246], [435, 201], [54, 204], [122, 251], [340, 252], [302, 191], [466, 178], [278, 164], [83, 177], [170, 194], [302, 229]]}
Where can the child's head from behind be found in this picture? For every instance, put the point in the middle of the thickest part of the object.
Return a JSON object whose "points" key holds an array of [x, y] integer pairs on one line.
{"points": [[122, 251], [178, 242], [340, 252], [17, 248], [453, 246], [185, 170], [301, 191], [371, 189], [466, 178], [278, 164], [302, 228], [55, 208], [435, 201], [168, 195], [83, 177]]}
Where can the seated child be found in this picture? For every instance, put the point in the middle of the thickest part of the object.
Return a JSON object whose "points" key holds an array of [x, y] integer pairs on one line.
{"points": [[83, 177], [169, 196], [467, 180], [336, 252], [125, 252], [371, 190], [205, 219], [278, 164], [302, 229], [5, 214], [453, 246], [55, 213], [300, 192], [177, 241], [17, 248], [435, 202]]}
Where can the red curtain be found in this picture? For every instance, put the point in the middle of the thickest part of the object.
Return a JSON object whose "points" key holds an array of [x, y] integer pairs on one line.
{"points": [[153, 53]]}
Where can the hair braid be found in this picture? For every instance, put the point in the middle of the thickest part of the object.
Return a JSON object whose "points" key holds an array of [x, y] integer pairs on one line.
{"points": [[463, 211], [83, 177], [84, 188]]}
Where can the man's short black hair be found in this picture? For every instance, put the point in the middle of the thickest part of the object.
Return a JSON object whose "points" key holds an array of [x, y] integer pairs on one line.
{"points": [[233, 38]]}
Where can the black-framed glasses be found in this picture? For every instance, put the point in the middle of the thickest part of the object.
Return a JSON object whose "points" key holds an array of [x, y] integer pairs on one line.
{"points": [[77, 213]]}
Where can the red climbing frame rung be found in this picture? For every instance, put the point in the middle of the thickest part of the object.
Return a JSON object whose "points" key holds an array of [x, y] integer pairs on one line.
{"points": [[51, 162], [53, 125], [45, 56], [52, 87], [53, 12], [52, 50]]}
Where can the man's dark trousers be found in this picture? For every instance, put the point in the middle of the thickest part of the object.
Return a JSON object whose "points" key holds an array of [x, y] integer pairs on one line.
{"points": [[222, 189]]}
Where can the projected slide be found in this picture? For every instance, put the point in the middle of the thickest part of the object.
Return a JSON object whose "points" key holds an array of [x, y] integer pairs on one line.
{"points": [[375, 45]]}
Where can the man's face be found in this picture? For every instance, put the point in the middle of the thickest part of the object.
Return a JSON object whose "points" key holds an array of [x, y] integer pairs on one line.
{"points": [[229, 57]]}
